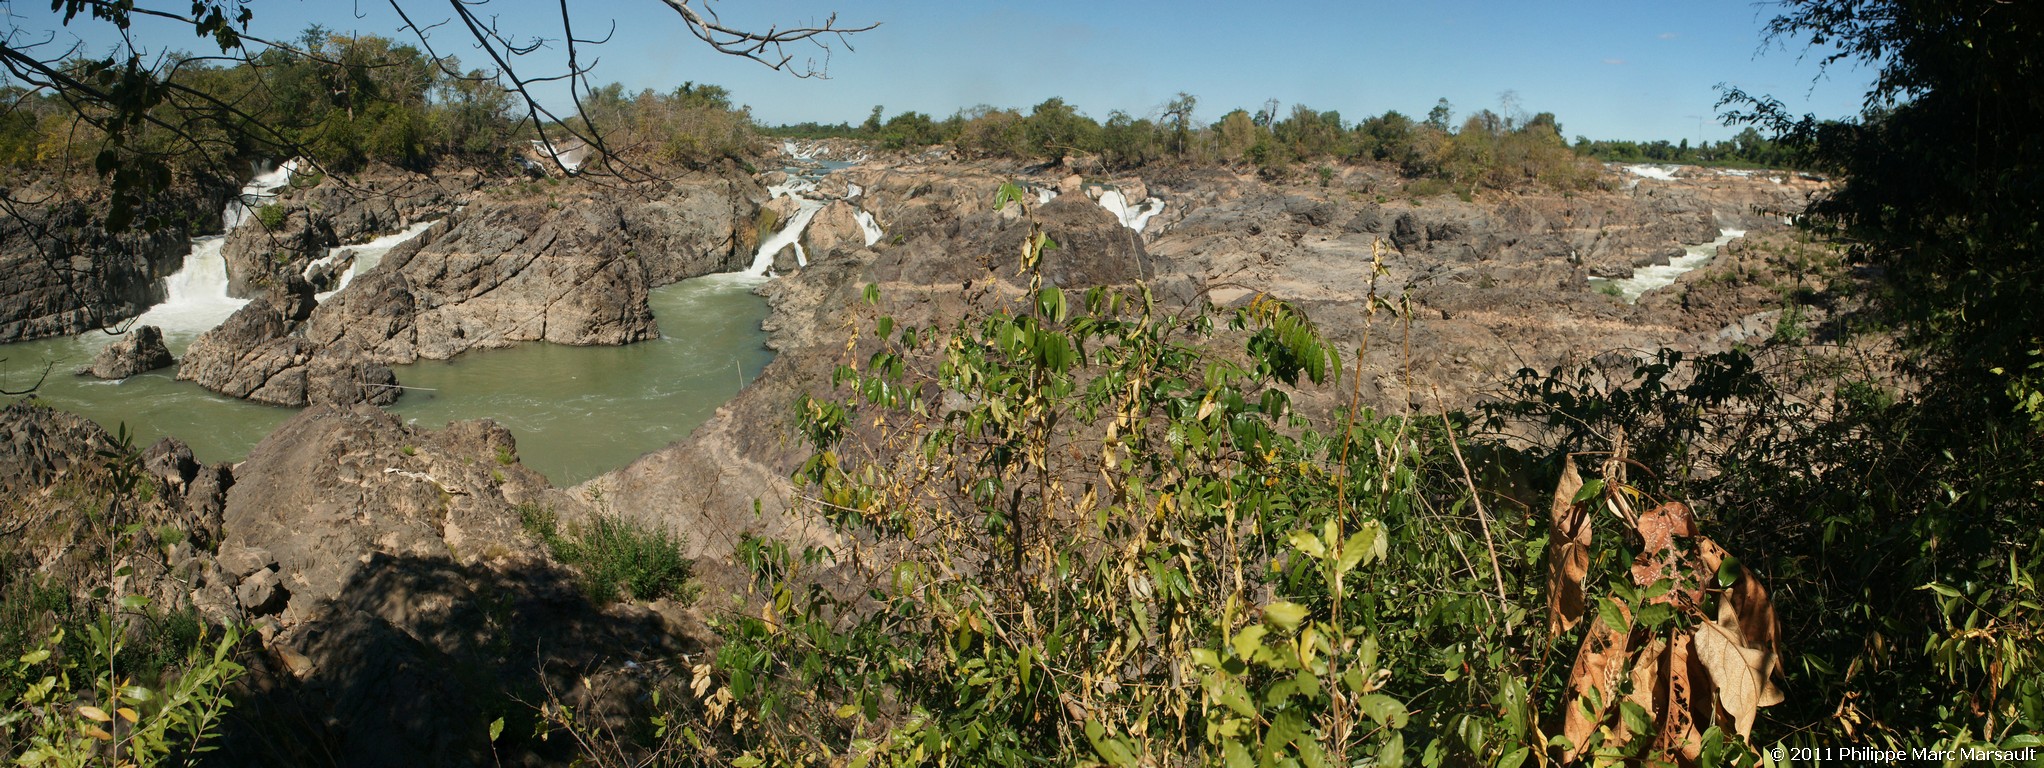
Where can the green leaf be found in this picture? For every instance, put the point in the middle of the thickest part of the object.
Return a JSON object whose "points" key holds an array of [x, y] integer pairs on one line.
{"points": [[1365, 543], [1728, 571], [1514, 759], [496, 729], [1112, 750], [1589, 491], [1285, 614], [1249, 641], [1384, 710], [1392, 754], [1306, 542], [1008, 193]]}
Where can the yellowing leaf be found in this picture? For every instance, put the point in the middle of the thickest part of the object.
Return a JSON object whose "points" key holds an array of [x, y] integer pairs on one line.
{"points": [[1285, 614], [94, 714], [127, 714], [1306, 542]]}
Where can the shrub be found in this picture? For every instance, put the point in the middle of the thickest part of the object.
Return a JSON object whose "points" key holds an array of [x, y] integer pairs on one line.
{"points": [[617, 558], [272, 216]]}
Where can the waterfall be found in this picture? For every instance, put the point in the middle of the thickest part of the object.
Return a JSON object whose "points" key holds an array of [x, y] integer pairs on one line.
{"points": [[367, 256], [1663, 275], [196, 295], [1134, 218], [789, 233], [871, 227], [258, 192]]}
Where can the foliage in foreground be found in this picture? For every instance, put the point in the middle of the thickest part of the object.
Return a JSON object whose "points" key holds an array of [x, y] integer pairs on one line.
{"points": [[93, 677]]}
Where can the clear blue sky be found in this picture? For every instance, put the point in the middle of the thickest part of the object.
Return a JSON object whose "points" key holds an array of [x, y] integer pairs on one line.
{"points": [[1632, 69]]}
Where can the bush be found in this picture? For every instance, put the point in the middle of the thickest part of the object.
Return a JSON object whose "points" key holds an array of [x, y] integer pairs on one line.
{"points": [[617, 559], [272, 216]]}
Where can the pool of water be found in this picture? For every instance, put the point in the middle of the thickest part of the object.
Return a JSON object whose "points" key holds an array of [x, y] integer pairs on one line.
{"points": [[576, 411]]}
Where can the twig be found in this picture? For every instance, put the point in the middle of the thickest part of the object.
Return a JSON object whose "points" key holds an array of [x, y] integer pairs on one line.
{"points": [[1475, 497]]}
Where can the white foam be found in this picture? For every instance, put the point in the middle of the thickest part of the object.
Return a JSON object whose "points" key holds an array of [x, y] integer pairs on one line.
{"points": [[1663, 275], [571, 158], [1134, 218], [258, 192], [367, 256], [1657, 172], [196, 295], [789, 233], [869, 226]]}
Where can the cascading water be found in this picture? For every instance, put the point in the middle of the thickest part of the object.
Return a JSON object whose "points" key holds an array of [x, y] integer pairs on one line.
{"points": [[578, 411], [870, 227], [1134, 218], [366, 256], [195, 297], [790, 233], [258, 192], [1663, 275]]}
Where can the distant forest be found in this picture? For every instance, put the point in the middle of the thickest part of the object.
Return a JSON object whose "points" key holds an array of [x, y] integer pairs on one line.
{"points": [[1483, 148]]}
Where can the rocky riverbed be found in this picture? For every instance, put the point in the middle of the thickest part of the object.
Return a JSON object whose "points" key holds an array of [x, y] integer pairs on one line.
{"points": [[383, 562]]}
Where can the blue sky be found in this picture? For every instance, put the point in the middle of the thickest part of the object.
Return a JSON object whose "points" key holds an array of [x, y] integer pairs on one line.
{"points": [[1633, 69]]}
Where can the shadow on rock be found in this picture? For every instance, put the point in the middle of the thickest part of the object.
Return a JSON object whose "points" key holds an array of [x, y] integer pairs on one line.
{"points": [[418, 656]]}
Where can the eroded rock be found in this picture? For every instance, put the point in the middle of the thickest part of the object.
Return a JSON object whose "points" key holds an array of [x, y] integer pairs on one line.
{"points": [[142, 350]]}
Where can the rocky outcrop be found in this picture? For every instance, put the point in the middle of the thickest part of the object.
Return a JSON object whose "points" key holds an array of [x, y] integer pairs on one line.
{"points": [[501, 273], [492, 276], [258, 255], [834, 227], [260, 353], [62, 272], [393, 604], [316, 213], [403, 603], [1737, 296], [140, 351]]}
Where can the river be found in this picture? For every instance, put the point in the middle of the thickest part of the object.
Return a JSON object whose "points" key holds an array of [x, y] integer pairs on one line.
{"points": [[576, 411]]}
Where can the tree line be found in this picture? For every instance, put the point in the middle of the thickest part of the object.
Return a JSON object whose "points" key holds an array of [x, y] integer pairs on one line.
{"points": [[348, 102]]}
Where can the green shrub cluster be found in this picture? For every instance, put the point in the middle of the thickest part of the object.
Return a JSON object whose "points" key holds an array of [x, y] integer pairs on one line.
{"points": [[617, 558]]}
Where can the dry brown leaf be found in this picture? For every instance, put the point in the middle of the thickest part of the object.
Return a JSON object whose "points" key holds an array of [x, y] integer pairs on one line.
{"points": [[1686, 683], [1600, 665], [1568, 552], [1659, 527], [1746, 608], [1735, 669]]}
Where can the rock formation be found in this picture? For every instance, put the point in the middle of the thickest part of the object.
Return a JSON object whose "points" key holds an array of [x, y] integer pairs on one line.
{"points": [[141, 350], [62, 272]]}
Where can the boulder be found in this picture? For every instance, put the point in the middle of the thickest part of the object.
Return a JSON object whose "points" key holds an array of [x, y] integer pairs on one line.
{"points": [[785, 261], [258, 255], [142, 350], [834, 227], [262, 593]]}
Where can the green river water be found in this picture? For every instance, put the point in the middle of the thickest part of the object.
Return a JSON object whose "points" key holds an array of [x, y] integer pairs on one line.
{"points": [[576, 411]]}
